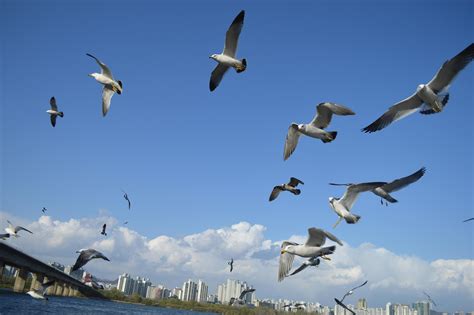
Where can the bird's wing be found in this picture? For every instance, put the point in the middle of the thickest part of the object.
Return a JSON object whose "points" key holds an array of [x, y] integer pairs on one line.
{"points": [[291, 141], [359, 285], [19, 228], [352, 192], [300, 268], [275, 192], [217, 75], [294, 182], [107, 93], [245, 292], [104, 69], [232, 35], [404, 181], [53, 120], [398, 111], [344, 306], [470, 219], [45, 286], [450, 69], [325, 111], [52, 102], [286, 261], [316, 237], [332, 237], [81, 260]]}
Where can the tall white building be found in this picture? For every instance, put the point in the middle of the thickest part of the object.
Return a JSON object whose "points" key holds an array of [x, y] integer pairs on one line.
{"points": [[202, 289], [189, 291], [125, 284], [232, 289]]}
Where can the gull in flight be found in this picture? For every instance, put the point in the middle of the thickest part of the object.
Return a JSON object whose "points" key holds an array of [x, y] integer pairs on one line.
{"points": [[342, 206], [291, 187], [384, 191], [351, 291], [85, 255], [429, 98], [103, 230], [111, 85], [227, 59], [470, 219], [231, 264], [312, 248], [240, 299], [315, 128], [53, 112], [313, 262], [429, 298], [39, 294], [12, 231], [44, 210], [125, 196]]}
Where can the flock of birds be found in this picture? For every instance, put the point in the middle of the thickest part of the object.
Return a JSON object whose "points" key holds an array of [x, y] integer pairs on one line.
{"points": [[429, 98]]}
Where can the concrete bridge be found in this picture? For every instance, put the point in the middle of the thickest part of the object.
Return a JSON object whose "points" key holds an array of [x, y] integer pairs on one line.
{"points": [[64, 285]]}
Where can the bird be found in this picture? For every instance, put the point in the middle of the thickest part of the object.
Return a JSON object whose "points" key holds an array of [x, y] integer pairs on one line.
{"points": [[342, 206], [125, 196], [40, 292], [384, 191], [351, 291], [470, 219], [103, 229], [231, 264], [4, 236], [53, 112], [291, 187], [227, 59], [126, 222], [315, 128], [111, 85], [344, 306], [12, 231], [240, 299], [313, 261], [44, 210], [85, 255], [429, 298], [312, 248], [429, 98]]}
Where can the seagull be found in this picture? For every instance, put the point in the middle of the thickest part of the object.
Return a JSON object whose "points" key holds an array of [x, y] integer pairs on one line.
{"points": [[85, 255], [53, 112], [313, 261], [231, 264], [384, 191], [103, 230], [291, 187], [429, 98], [12, 231], [344, 306], [111, 85], [126, 222], [227, 58], [315, 128], [470, 219], [429, 298], [39, 294], [351, 291], [125, 196], [312, 248], [4, 236], [240, 299], [44, 210], [342, 206]]}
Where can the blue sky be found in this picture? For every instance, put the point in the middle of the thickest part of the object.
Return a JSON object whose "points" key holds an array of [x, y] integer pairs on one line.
{"points": [[191, 159]]}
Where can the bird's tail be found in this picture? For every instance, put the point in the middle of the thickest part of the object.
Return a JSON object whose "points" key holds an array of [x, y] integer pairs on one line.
{"points": [[243, 67], [61, 114], [352, 218], [118, 91], [442, 99], [330, 136], [328, 250]]}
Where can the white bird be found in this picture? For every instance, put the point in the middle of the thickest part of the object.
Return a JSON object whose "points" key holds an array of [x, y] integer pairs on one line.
{"points": [[351, 291], [111, 85], [429, 98], [291, 187], [313, 262], [315, 128], [86, 255], [12, 231], [53, 112], [40, 293], [227, 59], [342, 206], [312, 248]]}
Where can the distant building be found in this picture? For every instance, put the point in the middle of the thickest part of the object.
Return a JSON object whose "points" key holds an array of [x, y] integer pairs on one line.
{"points": [[422, 308], [202, 289], [177, 292], [232, 289], [125, 284], [189, 291], [362, 304]]}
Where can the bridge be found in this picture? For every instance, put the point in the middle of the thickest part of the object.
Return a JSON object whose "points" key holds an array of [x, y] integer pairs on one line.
{"points": [[64, 284]]}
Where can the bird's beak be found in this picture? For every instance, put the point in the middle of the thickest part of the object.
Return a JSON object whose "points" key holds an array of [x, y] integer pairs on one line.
{"points": [[282, 251]]}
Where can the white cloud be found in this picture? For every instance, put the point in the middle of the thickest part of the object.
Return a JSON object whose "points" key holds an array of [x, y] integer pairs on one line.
{"points": [[169, 260]]}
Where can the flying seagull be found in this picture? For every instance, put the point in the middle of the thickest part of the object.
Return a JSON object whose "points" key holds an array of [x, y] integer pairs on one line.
{"points": [[312, 248], [85, 255], [39, 294], [429, 98], [351, 291], [429, 298], [470, 219], [385, 190], [231, 264], [12, 231], [291, 187], [315, 128], [313, 261], [126, 222], [240, 299], [53, 112], [111, 85], [342, 206], [227, 58], [344, 306], [125, 196], [44, 210], [103, 229]]}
